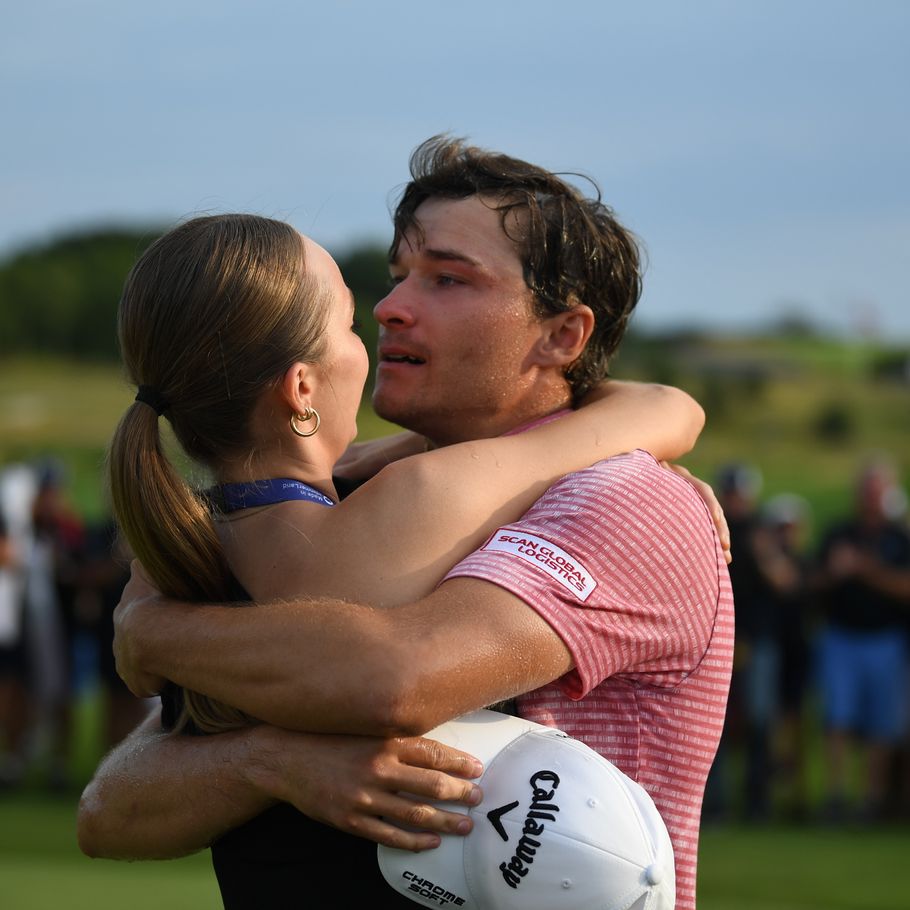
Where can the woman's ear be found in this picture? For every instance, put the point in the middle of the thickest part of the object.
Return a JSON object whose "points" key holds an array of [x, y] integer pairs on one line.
{"points": [[297, 386], [564, 336]]}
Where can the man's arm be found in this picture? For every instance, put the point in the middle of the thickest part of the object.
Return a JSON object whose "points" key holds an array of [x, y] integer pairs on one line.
{"points": [[337, 667], [892, 581], [334, 666], [160, 795], [848, 561]]}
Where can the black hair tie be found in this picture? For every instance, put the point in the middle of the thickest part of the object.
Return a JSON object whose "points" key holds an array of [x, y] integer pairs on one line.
{"points": [[149, 395]]}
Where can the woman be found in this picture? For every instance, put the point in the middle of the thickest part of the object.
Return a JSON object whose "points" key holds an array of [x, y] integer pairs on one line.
{"points": [[239, 331]]}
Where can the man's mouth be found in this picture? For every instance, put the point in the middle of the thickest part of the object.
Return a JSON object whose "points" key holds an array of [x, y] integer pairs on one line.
{"points": [[402, 358]]}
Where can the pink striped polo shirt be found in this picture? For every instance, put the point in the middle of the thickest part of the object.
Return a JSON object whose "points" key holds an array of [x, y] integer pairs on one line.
{"points": [[623, 561]]}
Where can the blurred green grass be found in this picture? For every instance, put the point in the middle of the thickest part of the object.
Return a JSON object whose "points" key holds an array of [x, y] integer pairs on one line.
{"points": [[41, 866], [767, 868]]}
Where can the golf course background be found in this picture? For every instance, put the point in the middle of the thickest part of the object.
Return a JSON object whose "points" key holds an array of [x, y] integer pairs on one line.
{"points": [[803, 408]]}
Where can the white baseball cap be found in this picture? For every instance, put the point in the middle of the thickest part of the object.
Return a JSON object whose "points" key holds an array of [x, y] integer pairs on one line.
{"points": [[559, 828]]}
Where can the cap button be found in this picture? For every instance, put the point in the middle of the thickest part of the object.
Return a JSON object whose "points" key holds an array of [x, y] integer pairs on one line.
{"points": [[654, 874]]}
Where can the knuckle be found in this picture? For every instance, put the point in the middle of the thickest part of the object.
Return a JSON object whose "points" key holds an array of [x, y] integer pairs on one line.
{"points": [[438, 787], [440, 756], [352, 823], [418, 815], [361, 799], [436, 754], [399, 839], [377, 766]]}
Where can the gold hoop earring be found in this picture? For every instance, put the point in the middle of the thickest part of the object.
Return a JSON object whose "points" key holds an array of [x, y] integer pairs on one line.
{"points": [[308, 414]]}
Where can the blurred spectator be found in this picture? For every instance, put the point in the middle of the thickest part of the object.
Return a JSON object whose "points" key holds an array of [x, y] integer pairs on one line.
{"points": [[104, 573], [59, 583], [779, 546], [12, 662], [752, 704], [863, 579], [51, 589], [764, 718], [16, 494]]}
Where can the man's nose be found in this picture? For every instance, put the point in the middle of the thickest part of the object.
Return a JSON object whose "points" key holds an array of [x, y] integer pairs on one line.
{"points": [[396, 308]]}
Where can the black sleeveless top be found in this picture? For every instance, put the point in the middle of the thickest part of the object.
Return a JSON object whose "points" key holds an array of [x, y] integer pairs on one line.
{"points": [[282, 858]]}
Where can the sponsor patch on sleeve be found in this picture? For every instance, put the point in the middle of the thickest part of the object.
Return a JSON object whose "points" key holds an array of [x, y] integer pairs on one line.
{"points": [[548, 557]]}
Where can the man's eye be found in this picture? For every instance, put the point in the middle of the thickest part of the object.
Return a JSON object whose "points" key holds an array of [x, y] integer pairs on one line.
{"points": [[395, 280], [446, 280]]}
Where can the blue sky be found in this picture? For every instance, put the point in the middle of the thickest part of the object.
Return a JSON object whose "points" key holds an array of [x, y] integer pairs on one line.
{"points": [[760, 150]]}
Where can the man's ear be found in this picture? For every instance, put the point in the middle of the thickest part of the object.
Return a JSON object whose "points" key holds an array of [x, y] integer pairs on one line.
{"points": [[563, 336], [297, 386]]}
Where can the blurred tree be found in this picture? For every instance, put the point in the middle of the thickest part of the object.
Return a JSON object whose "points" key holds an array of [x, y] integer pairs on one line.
{"points": [[62, 298]]}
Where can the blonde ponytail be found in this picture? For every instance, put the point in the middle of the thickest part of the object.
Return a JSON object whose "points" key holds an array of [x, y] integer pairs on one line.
{"points": [[172, 534]]}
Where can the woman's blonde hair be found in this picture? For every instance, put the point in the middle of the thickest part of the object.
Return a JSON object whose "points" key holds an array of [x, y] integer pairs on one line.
{"points": [[212, 314]]}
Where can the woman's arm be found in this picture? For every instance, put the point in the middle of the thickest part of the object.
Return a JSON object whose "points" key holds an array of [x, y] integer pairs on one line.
{"points": [[396, 537], [363, 460]]}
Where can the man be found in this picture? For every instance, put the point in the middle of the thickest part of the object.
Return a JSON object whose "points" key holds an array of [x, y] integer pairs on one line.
{"points": [[864, 582], [611, 595]]}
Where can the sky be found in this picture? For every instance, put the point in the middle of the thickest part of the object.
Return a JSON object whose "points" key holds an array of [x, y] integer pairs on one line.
{"points": [[760, 150]]}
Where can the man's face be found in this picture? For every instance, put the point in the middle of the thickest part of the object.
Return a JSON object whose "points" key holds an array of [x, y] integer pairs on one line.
{"points": [[457, 329]]}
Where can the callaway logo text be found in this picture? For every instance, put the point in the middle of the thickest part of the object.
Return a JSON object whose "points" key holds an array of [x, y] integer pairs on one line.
{"points": [[543, 809]]}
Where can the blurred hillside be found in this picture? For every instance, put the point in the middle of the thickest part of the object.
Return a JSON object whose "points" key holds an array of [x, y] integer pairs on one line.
{"points": [[802, 407]]}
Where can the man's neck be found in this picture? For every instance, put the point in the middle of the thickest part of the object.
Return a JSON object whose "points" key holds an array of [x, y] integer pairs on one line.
{"points": [[502, 425]]}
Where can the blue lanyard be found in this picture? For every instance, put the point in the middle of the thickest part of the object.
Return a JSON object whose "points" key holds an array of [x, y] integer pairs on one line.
{"points": [[236, 496]]}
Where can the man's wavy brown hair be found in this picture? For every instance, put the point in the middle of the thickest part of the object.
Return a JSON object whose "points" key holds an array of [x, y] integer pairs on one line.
{"points": [[572, 248]]}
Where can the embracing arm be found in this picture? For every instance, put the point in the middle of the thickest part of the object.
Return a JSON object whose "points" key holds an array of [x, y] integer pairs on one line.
{"points": [[394, 538], [405, 668], [161, 795]]}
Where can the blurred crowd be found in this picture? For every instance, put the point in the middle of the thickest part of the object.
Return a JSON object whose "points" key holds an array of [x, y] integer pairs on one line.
{"points": [[817, 726], [60, 578]]}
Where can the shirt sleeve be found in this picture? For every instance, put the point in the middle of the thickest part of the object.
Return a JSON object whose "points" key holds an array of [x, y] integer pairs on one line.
{"points": [[622, 560]]}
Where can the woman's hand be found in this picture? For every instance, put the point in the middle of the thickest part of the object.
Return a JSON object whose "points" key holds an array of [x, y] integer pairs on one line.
{"points": [[707, 493], [379, 789]]}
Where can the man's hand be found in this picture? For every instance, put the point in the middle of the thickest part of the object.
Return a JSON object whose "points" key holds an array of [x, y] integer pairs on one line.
{"points": [[707, 493], [138, 594], [160, 795], [367, 786]]}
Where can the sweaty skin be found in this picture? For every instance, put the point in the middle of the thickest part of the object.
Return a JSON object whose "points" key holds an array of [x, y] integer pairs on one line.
{"points": [[137, 803], [460, 360]]}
